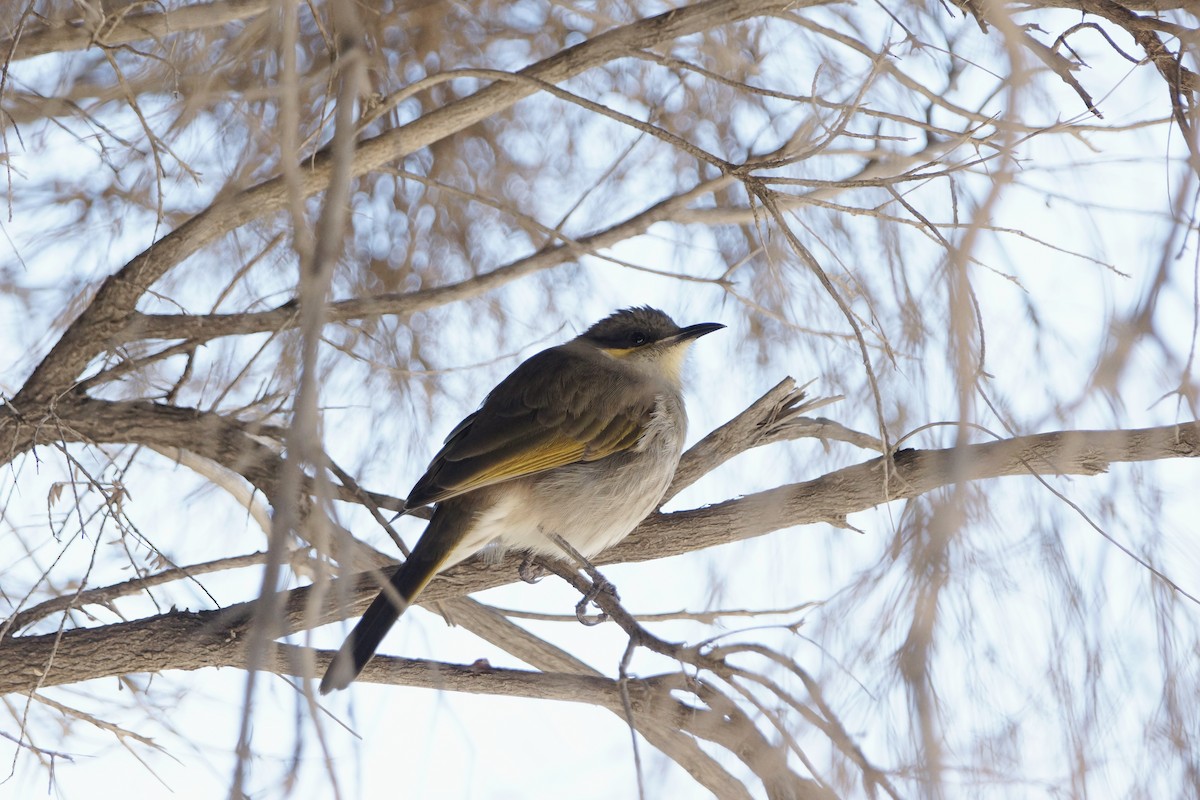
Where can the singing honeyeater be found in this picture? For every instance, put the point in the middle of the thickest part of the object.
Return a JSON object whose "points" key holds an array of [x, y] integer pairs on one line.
{"points": [[581, 440]]}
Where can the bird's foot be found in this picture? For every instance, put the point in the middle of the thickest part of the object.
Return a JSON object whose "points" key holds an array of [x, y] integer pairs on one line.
{"points": [[530, 571], [600, 586]]}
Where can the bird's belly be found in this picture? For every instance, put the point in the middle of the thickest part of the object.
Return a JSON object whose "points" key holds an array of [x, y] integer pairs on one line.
{"points": [[590, 505]]}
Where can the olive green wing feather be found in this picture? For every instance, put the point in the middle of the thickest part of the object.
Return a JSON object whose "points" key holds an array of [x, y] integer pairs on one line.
{"points": [[557, 408]]}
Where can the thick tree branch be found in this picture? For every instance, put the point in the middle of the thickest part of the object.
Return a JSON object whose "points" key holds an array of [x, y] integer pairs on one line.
{"points": [[231, 443], [189, 640]]}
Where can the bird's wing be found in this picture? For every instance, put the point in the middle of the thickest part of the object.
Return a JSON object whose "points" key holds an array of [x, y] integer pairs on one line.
{"points": [[557, 408]]}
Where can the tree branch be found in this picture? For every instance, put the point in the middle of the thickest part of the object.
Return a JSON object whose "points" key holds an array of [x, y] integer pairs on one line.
{"points": [[190, 640]]}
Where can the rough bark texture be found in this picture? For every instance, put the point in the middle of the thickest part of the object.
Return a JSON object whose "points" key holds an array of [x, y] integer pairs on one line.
{"points": [[192, 640]]}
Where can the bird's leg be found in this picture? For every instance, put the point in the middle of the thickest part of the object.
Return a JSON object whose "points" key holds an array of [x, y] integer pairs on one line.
{"points": [[600, 584], [587, 566], [530, 571]]}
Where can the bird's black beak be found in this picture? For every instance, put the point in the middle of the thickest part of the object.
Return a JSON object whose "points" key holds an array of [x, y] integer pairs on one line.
{"points": [[695, 331]]}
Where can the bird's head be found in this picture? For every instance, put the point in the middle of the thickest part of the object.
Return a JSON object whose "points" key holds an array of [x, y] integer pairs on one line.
{"points": [[646, 338]]}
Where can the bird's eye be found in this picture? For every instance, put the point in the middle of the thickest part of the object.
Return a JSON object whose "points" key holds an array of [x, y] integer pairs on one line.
{"points": [[637, 338]]}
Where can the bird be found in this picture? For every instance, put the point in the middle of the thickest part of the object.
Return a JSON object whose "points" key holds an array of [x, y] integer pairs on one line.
{"points": [[580, 442]]}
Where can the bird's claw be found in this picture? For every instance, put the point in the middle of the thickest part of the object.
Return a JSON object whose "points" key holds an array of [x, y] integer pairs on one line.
{"points": [[530, 571], [599, 587], [581, 613]]}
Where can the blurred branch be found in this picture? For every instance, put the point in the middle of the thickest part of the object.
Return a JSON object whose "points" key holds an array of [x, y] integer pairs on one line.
{"points": [[201, 327], [98, 29], [225, 479], [108, 313]]}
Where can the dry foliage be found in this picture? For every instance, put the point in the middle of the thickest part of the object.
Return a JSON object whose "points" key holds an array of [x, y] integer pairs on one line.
{"points": [[261, 252]]}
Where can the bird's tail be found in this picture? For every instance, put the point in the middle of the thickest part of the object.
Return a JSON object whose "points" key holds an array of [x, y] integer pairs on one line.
{"points": [[431, 553]]}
